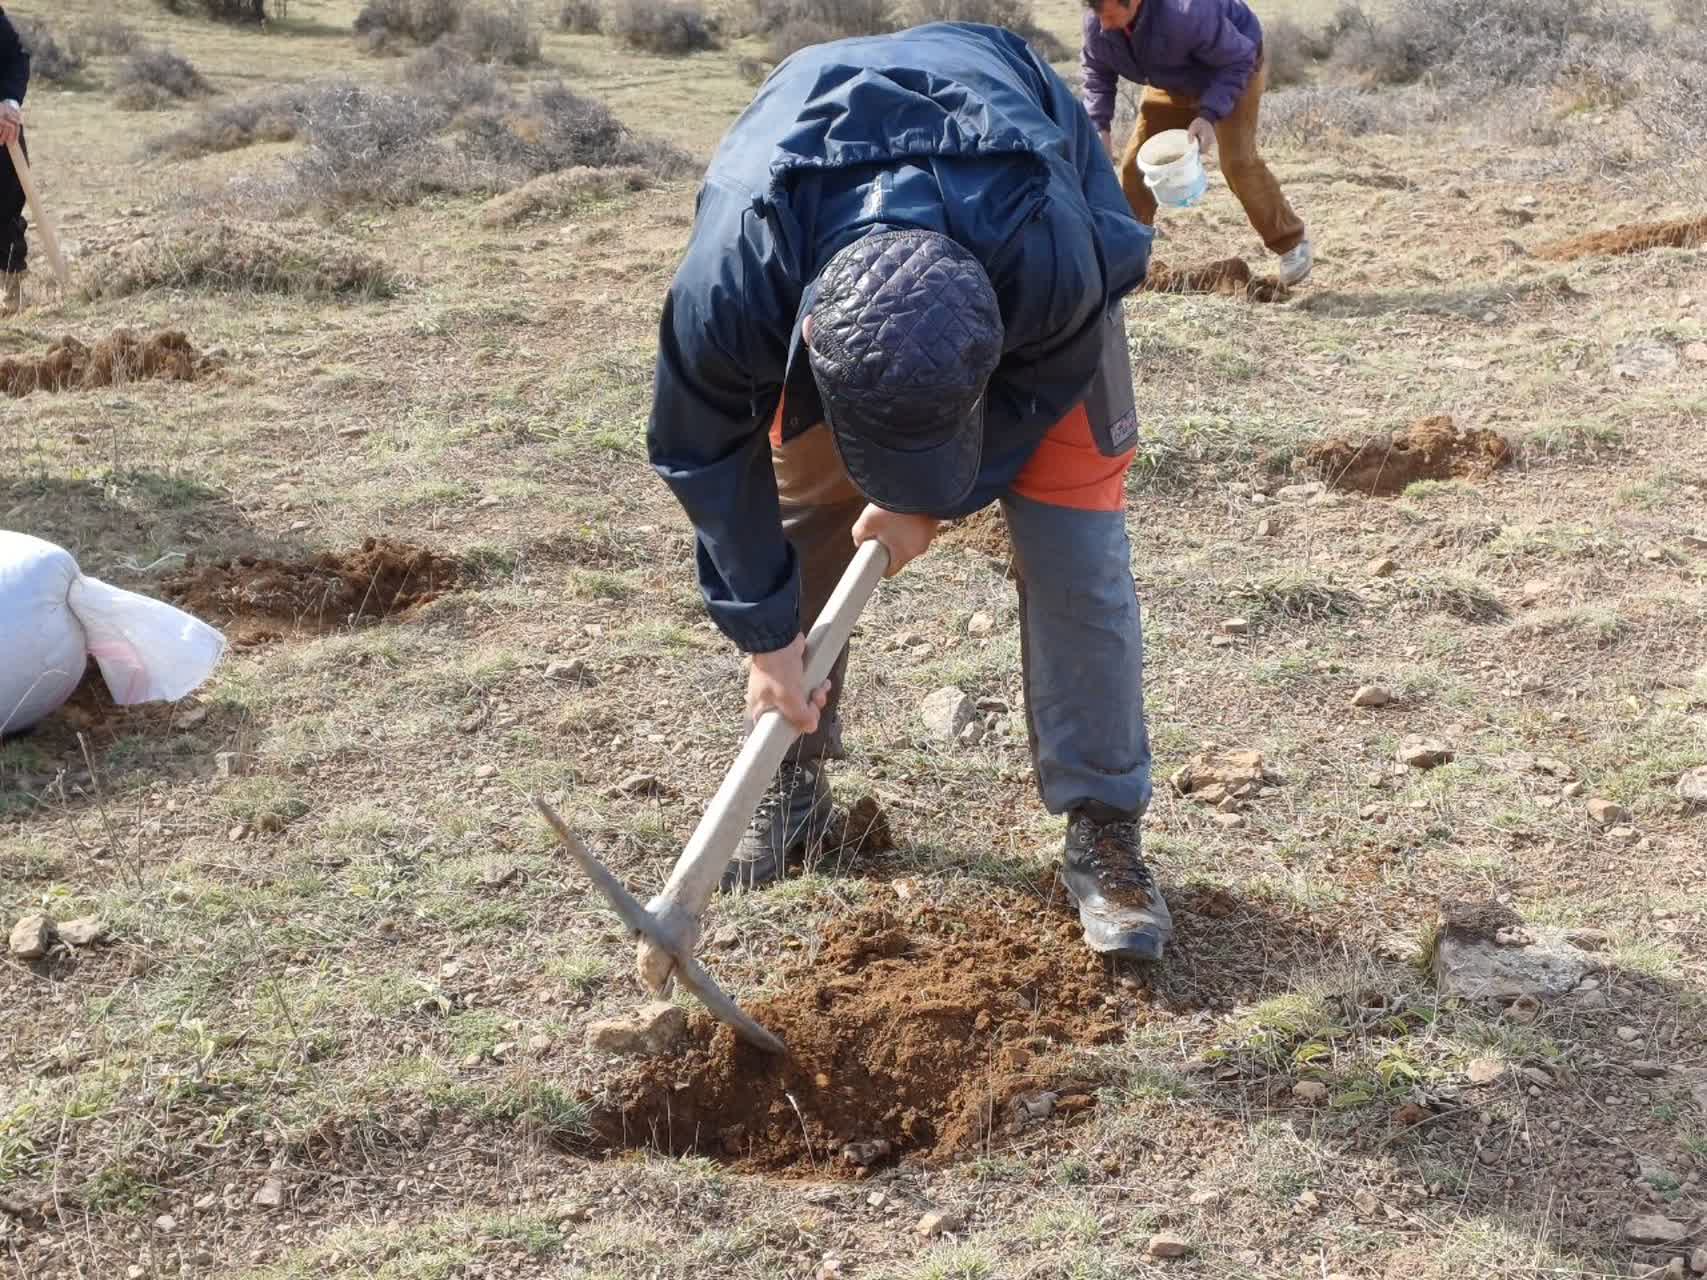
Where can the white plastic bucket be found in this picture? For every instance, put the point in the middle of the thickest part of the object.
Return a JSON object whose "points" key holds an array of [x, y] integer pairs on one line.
{"points": [[1172, 168]]}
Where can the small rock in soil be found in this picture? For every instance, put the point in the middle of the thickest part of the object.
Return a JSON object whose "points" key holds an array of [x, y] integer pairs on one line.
{"points": [[486, 771], [228, 764], [1366, 1202], [936, 1222], [1206, 1197], [1651, 1228], [1692, 787], [980, 624], [1235, 627], [947, 712], [646, 785], [1608, 814], [1474, 958], [271, 1195], [1571, 790], [972, 734], [1672, 1270], [1383, 567], [31, 937], [1312, 1093], [166, 1223], [865, 1152], [539, 1045], [1371, 695], [1423, 753], [1165, 1245], [1484, 1070], [82, 933], [727, 938], [1698, 1261], [1648, 1070], [575, 671], [1212, 775], [653, 1030], [1629, 1035]]}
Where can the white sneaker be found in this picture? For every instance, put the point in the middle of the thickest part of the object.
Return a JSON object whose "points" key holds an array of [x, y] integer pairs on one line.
{"points": [[1296, 262]]}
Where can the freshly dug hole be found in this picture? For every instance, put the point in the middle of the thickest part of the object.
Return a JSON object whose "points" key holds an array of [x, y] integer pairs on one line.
{"points": [[69, 365], [1230, 277], [258, 600], [1430, 449], [918, 1027]]}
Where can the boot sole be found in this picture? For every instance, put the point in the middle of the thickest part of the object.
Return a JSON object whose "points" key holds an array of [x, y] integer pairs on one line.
{"points": [[1147, 943]]}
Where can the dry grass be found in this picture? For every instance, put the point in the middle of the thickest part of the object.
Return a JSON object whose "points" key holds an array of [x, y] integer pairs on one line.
{"points": [[359, 967]]}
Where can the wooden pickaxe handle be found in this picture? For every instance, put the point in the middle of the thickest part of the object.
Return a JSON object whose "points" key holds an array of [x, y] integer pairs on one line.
{"points": [[700, 869], [44, 224]]}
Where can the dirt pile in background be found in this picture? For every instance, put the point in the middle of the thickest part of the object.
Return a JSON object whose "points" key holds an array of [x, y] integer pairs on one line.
{"points": [[929, 1029], [259, 600], [1429, 449], [1632, 237], [69, 365], [1228, 276]]}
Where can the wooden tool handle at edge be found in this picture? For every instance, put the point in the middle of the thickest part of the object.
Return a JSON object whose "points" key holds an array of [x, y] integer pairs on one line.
{"points": [[44, 224], [700, 868]]}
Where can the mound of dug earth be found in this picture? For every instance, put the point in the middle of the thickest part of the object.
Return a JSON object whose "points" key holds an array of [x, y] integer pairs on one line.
{"points": [[1632, 237], [69, 365], [260, 600], [1430, 449], [921, 1035], [1228, 276]]}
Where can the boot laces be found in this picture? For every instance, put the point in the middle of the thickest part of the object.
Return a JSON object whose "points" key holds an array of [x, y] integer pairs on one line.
{"points": [[1112, 853], [780, 794]]}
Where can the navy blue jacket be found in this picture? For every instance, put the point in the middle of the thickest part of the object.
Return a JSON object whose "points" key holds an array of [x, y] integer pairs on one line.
{"points": [[14, 62], [954, 127]]}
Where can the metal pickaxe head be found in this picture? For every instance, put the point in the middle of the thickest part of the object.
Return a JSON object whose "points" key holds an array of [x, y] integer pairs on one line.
{"points": [[669, 930]]}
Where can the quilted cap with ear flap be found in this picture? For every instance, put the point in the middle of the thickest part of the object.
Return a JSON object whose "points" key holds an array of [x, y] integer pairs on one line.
{"points": [[905, 335]]}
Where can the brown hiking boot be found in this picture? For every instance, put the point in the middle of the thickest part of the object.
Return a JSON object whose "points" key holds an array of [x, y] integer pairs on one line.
{"points": [[11, 292]]}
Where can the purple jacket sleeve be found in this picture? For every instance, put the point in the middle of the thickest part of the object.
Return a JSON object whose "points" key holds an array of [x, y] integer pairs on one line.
{"points": [[1232, 57], [1101, 82]]}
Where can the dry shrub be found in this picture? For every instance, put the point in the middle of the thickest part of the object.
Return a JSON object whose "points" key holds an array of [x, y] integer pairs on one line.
{"points": [[580, 17], [253, 12], [795, 36], [555, 193], [367, 145], [500, 33], [49, 59], [153, 78], [383, 23], [839, 17], [237, 257], [661, 26], [445, 73], [273, 116], [1305, 116], [106, 36], [1689, 13], [1292, 52], [1015, 15]]}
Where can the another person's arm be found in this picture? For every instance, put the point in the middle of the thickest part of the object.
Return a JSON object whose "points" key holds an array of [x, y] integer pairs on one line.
{"points": [[1102, 83], [14, 81], [1223, 47]]}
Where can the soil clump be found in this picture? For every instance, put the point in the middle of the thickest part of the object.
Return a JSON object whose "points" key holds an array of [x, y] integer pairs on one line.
{"points": [[913, 1031], [70, 365], [259, 600], [1230, 277], [1432, 448], [1632, 237]]}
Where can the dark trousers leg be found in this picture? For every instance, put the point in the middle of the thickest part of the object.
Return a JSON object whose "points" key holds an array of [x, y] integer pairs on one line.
{"points": [[13, 251]]}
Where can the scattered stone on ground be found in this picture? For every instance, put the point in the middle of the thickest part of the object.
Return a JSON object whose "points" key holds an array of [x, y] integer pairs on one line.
{"points": [[271, 1194], [640, 785], [1652, 1228], [1383, 567], [31, 937], [1235, 627], [574, 671], [1430, 449], [864, 829], [69, 365], [1213, 776], [1692, 787], [1483, 1071], [1606, 813], [654, 1029], [980, 624], [1483, 950], [1698, 1260], [1166, 1245], [1371, 695], [1203, 1199], [83, 932], [865, 1152], [259, 600], [936, 1222], [947, 712], [1312, 1093], [1642, 358], [1417, 752], [1632, 237]]}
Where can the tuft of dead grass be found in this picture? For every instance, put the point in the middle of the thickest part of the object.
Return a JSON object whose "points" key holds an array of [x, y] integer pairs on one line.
{"points": [[50, 60], [556, 193], [303, 261], [150, 79]]}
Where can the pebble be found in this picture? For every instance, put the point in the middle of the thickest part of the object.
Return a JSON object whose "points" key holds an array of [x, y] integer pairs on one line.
{"points": [[1629, 1035], [1383, 567], [1311, 1093], [1608, 814], [31, 937], [1235, 626], [947, 712], [271, 1194], [486, 771], [1165, 1245], [1371, 695], [1423, 753], [936, 1222], [1484, 1070], [1648, 1070], [980, 624], [1204, 1198], [82, 933], [652, 1030], [166, 1222], [1652, 1228], [1698, 1261]]}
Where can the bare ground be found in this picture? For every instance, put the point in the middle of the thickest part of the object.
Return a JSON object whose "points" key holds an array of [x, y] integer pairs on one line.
{"points": [[337, 1024]]}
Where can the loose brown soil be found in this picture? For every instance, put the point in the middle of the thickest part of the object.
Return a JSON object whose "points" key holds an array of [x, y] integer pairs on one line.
{"points": [[1230, 277], [1430, 449], [261, 600], [69, 365], [1632, 237], [914, 1026]]}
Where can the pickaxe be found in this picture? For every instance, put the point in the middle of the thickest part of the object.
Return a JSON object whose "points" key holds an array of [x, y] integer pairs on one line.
{"points": [[669, 925], [44, 224]]}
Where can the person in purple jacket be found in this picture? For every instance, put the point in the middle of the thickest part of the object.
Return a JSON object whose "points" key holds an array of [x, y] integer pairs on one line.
{"points": [[1202, 67]]}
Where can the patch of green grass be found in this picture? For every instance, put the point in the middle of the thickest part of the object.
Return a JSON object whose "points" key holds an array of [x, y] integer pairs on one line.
{"points": [[542, 1107], [1298, 598], [263, 803], [1573, 438], [1425, 490], [580, 972], [955, 1262]]}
